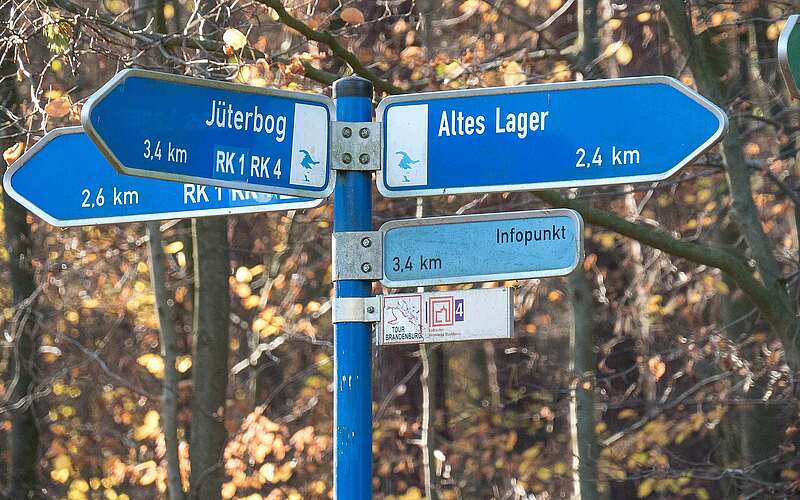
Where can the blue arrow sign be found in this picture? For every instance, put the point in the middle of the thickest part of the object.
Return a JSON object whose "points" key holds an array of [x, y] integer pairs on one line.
{"points": [[65, 180], [543, 136], [486, 247], [185, 129]]}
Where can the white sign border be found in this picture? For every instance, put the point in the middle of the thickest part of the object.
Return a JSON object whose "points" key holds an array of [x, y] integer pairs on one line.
{"points": [[466, 219], [121, 76], [379, 331], [547, 87], [783, 54], [97, 221]]}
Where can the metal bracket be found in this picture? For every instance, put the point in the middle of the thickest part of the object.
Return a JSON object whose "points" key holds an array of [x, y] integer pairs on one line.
{"points": [[356, 146], [357, 255], [357, 310]]}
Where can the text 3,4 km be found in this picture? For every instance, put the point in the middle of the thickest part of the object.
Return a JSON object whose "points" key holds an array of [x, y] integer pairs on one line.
{"points": [[425, 263]]}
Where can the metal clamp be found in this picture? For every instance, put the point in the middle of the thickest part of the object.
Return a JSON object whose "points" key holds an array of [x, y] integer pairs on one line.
{"points": [[357, 255], [356, 146], [356, 309]]}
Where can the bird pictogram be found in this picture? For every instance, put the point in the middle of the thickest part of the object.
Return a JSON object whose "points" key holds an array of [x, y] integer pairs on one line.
{"points": [[307, 163], [406, 163]]}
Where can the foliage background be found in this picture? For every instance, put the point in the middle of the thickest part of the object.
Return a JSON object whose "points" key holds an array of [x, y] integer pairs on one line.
{"points": [[687, 315]]}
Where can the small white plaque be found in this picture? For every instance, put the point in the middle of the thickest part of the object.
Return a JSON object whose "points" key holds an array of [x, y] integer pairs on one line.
{"points": [[478, 314]]}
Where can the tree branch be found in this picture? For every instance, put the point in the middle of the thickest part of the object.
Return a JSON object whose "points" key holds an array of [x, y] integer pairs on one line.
{"points": [[724, 260], [338, 49]]}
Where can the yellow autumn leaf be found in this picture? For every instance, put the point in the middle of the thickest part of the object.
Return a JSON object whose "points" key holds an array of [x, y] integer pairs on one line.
{"points": [[80, 485], [555, 296], [174, 247], [234, 39], [183, 363], [11, 154], [243, 275], [412, 493], [153, 363], [453, 70], [544, 474], [267, 472], [351, 15], [228, 490], [512, 74], [645, 487], [58, 108], [149, 427], [560, 468], [62, 462], [243, 290], [284, 472], [657, 367], [624, 54], [59, 475], [149, 477]]}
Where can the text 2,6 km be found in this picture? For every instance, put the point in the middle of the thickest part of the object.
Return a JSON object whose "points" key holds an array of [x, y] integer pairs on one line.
{"points": [[153, 150], [116, 197], [594, 157]]}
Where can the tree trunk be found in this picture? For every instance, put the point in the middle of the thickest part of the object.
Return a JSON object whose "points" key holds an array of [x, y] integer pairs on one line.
{"points": [[210, 366], [169, 349], [585, 448], [428, 381], [23, 440], [702, 62], [151, 13], [24, 436], [428, 438]]}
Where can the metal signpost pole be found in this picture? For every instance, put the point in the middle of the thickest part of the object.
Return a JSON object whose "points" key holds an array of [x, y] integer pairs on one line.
{"points": [[352, 413]]}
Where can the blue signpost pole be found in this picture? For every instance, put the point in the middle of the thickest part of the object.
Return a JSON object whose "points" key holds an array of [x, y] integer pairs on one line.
{"points": [[352, 412]]}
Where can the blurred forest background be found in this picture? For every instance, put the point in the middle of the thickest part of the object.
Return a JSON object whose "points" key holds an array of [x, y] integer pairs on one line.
{"points": [[664, 368]]}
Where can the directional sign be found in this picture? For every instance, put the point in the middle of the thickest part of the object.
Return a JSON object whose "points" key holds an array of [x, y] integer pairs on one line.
{"points": [[65, 180], [486, 247], [789, 54], [207, 132], [479, 314], [543, 136]]}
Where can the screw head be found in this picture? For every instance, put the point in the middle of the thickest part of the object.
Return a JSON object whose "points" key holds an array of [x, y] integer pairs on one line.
{"points": [[364, 158], [347, 158], [366, 242], [347, 131], [370, 309], [364, 133], [366, 267]]}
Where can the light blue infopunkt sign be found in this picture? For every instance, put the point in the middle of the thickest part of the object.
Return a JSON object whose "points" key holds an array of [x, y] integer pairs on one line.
{"points": [[65, 180], [572, 134], [490, 247], [185, 129]]}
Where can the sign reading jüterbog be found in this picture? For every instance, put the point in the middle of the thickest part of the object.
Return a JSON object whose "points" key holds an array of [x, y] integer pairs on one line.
{"points": [[478, 314], [485, 247], [186, 129], [65, 180], [540, 136], [789, 54]]}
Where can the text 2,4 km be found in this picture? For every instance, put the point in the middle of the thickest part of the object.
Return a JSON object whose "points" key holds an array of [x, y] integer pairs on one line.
{"points": [[588, 157]]}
